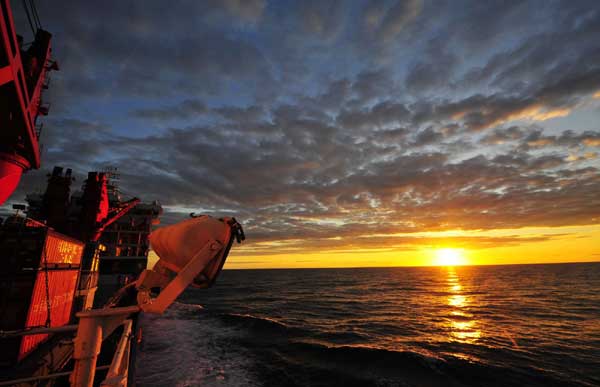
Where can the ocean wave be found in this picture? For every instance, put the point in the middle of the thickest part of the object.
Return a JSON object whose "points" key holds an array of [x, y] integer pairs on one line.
{"points": [[391, 367], [304, 352], [187, 306], [272, 327], [293, 331], [265, 324]]}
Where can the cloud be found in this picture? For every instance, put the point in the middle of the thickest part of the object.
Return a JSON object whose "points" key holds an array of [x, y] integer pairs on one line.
{"points": [[397, 18], [387, 243], [185, 109], [243, 9], [537, 139], [294, 187], [320, 123], [502, 135], [152, 50], [323, 19]]}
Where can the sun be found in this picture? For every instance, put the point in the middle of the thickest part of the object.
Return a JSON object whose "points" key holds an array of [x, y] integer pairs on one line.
{"points": [[449, 257]]}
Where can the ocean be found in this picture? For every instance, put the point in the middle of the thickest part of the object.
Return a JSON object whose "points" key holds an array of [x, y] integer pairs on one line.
{"points": [[517, 325]]}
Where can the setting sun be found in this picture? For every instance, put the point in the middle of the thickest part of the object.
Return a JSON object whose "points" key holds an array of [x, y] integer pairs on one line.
{"points": [[449, 257]]}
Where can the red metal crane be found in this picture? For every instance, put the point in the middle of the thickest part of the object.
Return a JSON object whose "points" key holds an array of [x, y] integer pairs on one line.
{"points": [[22, 79]]}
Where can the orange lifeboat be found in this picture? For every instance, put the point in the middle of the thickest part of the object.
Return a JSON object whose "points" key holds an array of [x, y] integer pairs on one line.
{"points": [[176, 245]]}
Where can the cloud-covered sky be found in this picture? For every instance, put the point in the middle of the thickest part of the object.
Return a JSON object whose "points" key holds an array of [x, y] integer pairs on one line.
{"points": [[327, 125]]}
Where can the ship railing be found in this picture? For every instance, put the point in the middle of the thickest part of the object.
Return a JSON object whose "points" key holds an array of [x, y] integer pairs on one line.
{"points": [[37, 331], [119, 368], [95, 326], [35, 379]]}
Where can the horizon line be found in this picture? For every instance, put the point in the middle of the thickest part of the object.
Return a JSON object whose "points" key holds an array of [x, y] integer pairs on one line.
{"points": [[411, 266]]}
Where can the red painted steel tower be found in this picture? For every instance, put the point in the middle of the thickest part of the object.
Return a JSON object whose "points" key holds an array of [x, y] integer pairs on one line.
{"points": [[22, 78]]}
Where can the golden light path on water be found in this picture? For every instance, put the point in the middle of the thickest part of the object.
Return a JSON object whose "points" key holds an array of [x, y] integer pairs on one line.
{"points": [[463, 327]]}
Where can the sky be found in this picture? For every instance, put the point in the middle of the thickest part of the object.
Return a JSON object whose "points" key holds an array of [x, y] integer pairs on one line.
{"points": [[340, 133]]}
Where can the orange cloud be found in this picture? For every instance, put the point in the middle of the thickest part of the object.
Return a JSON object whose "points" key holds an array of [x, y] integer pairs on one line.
{"points": [[585, 156], [540, 113], [591, 141], [483, 247], [535, 112], [541, 142]]}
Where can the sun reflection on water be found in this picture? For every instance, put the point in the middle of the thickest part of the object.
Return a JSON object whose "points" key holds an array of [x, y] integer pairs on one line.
{"points": [[461, 324], [457, 300]]}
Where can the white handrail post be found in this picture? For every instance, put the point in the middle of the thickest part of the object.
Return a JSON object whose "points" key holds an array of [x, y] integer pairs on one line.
{"points": [[94, 326], [87, 346], [117, 373]]}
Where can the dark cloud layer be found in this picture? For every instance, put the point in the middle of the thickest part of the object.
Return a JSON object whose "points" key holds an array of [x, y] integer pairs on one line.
{"points": [[322, 122]]}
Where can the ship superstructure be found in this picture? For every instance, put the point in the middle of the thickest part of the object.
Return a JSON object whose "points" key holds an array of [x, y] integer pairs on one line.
{"points": [[73, 278], [77, 279], [53, 260], [126, 240]]}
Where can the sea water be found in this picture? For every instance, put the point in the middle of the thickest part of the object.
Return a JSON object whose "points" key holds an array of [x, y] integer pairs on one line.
{"points": [[518, 325]]}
